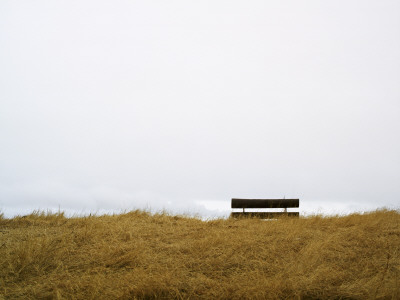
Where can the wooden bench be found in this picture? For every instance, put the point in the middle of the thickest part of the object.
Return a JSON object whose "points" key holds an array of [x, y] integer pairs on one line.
{"points": [[264, 204]]}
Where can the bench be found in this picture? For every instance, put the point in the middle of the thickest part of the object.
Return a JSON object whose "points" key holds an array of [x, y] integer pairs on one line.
{"points": [[264, 204]]}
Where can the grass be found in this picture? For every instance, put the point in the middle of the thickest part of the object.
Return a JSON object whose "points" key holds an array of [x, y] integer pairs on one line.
{"points": [[137, 255]]}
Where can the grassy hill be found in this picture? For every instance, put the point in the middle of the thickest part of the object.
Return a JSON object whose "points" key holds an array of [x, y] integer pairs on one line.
{"points": [[139, 255]]}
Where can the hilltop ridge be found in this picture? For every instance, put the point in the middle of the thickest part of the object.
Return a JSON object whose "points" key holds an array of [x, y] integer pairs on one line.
{"points": [[140, 255]]}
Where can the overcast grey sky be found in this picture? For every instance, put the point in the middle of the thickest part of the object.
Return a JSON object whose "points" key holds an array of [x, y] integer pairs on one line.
{"points": [[182, 105]]}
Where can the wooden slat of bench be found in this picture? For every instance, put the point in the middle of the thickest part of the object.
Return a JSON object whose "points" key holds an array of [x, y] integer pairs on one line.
{"points": [[264, 203], [264, 215]]}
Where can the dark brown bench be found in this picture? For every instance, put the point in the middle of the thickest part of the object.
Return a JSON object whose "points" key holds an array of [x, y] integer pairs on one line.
{"points": [[264, 204]]}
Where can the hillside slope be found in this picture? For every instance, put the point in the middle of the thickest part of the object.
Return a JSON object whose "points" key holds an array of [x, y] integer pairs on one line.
{"points": [[138, 255]]}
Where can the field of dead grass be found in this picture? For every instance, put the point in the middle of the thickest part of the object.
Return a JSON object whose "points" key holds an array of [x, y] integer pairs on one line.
{"points": [[138, 255]]}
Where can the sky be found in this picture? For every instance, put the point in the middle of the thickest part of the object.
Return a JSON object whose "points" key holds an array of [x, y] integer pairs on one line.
{"points": [[107, 106]]}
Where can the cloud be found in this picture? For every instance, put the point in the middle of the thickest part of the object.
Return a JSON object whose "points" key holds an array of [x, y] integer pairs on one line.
{"points": [[51, 195], [138, 104]]}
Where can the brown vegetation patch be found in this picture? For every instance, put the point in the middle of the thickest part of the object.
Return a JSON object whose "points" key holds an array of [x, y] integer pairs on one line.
{"points": [[139, 255]]}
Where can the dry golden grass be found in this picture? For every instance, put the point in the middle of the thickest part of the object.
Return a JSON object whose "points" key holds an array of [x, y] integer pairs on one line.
{"points": [[139, 255]]}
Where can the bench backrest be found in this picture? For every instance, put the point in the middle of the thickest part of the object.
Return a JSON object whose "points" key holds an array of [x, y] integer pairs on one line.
{"points": [[264, 203]]}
